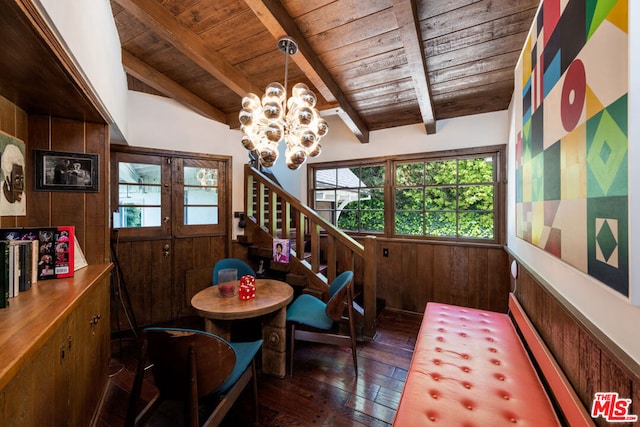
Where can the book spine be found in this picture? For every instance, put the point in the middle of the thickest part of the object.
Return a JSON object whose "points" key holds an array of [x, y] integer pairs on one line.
{"points": [[4, 274], [35, 255], [12, 274], [25, 265]]}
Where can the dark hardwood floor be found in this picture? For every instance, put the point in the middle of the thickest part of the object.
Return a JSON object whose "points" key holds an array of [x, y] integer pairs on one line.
{"points": [[322, 391]]}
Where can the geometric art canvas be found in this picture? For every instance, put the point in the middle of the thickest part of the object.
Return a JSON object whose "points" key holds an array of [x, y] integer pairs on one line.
{"points": [[571, 106]]}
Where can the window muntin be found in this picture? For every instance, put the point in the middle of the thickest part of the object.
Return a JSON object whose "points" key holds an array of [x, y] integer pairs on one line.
{"points": [[352, 197], [139, 196], [200, 196]]}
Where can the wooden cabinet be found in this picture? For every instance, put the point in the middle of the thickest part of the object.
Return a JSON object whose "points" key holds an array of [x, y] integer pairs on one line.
{"points": [[54, 351]]}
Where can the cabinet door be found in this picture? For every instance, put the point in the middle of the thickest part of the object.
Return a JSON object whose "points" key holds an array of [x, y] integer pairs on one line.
{"points": [[38, 395], [90, 351]]}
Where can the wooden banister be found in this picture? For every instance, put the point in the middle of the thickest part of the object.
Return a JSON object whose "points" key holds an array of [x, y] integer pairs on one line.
{"points": [[263, 194]]}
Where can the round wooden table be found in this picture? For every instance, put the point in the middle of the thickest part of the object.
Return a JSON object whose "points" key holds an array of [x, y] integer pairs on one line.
{"points": [[270, 303]]}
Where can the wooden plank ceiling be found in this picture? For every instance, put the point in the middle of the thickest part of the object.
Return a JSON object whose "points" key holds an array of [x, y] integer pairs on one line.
{"points": [[376, 63]]}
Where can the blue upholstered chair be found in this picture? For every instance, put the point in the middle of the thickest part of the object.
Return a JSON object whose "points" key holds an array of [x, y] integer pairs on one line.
{"points": [[189, 366], [242, 267], [314, 320]]}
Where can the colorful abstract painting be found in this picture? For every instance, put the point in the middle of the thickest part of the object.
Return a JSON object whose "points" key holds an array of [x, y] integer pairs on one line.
{"points": [[571, 89]]}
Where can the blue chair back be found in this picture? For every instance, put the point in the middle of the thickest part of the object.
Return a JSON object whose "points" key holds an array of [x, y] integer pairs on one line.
{"points": [[242, 267], [339, 282], [169, 351]]}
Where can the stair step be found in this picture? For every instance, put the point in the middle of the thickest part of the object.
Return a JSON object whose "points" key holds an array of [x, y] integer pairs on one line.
{"points": [[260, 252], [296, 279]]}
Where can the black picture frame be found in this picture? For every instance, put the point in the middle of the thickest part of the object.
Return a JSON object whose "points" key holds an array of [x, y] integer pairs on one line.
{"points": [[63, 171]]}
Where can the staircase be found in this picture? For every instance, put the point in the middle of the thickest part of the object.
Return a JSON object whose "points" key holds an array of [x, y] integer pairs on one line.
{"points": [[319, 251]]}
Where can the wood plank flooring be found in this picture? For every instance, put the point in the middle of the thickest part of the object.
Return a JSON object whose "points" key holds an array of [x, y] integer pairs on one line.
{"points": [[323, 390]]}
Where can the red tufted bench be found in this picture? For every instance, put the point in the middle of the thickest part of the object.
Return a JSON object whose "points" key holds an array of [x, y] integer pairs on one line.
{"points": [[470, 368]]}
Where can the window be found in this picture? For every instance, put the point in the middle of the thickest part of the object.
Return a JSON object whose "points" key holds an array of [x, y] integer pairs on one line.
{"points": [[160, 195], [446, 198], [351, 198], [452, 195], [200, 195], [139, 203]]}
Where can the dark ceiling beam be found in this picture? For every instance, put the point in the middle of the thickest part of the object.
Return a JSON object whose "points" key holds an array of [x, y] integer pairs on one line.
{"points": [[278, 22], [159, 20], [153, 78], [406, 13]]}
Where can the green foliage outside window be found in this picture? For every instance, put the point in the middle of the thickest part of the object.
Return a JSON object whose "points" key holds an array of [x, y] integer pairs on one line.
{"points": [[445, 198], [451, 198]]}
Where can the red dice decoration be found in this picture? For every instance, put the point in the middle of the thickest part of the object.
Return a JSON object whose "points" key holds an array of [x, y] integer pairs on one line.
{"points": [[247, 289]]}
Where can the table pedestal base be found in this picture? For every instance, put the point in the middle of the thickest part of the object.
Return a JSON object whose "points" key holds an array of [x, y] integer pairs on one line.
{"points": [[274, 335]]}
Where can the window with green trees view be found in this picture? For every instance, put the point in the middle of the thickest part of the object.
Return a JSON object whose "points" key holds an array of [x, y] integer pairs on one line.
{"points": [[433, 196], [351, 198]]}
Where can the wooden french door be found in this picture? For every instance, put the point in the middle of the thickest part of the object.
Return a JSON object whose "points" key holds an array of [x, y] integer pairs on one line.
{"points": [[170, 224]]}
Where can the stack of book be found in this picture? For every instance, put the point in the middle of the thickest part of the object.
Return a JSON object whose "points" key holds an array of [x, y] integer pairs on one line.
{"points": [[31, 254]]}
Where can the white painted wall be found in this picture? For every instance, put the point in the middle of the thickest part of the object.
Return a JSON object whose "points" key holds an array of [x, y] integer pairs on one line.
{"points": [[634, 152], [613, 313], [88, 31]]}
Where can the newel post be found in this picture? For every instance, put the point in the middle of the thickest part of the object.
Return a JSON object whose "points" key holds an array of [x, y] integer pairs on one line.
{"points": [[370, 286]]}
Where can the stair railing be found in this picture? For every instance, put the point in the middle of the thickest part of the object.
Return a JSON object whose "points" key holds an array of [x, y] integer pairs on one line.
{"points": [[261, 207]]}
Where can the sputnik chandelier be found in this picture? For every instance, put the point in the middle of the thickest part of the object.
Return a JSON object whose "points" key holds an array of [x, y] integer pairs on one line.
{"points": [[265, 122]]}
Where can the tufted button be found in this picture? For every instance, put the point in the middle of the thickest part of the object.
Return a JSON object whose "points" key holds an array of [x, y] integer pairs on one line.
{"points": [[496, 362], [493, 349], [466, 369], [466, 385], [437, 361], [462, 334]]}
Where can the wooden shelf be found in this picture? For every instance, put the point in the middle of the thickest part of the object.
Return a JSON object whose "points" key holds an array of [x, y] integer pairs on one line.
{"points": [[55, 345], [34, 315]]}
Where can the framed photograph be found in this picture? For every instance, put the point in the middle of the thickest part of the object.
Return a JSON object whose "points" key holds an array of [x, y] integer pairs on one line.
{"points": [[281, 251], [61, 171]]}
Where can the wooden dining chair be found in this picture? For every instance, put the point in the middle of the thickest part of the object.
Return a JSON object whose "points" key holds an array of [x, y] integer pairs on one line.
{"points": [[312, 319], [240, 265], [191, 366]]}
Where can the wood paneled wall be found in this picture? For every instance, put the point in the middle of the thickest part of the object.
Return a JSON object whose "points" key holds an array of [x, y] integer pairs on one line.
{"points": [[86, 211], [416, 272], [591, 361]]}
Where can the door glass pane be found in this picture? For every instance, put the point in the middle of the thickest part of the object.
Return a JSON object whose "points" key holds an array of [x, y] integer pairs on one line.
{"points": [[200, 215], [204, 177], [136, 216], [200, 196], [139, 196], [139, 173]]}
